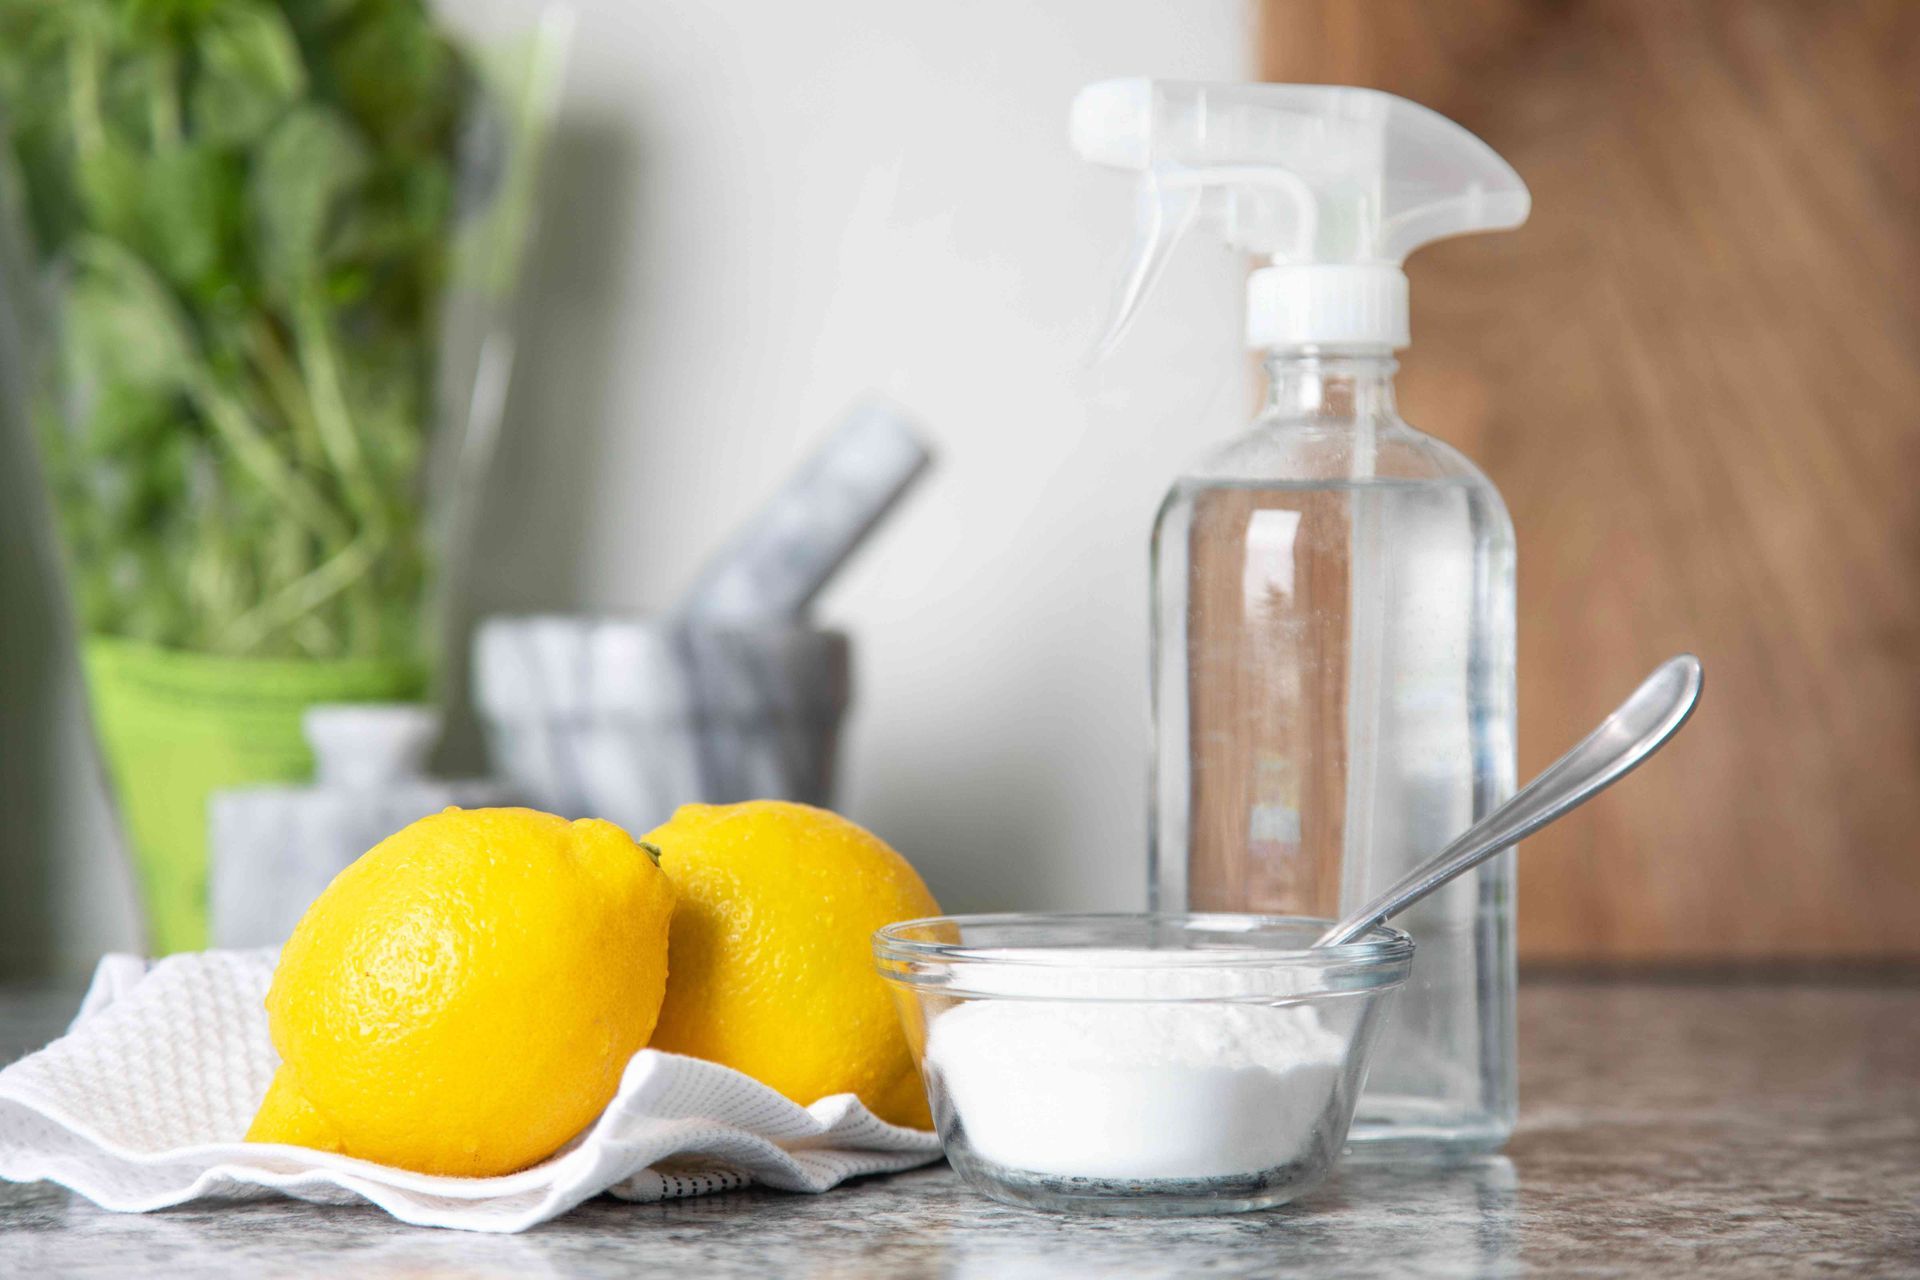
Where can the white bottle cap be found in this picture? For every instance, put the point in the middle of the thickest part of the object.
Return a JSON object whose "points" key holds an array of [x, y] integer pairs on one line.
{"points": [[1329, 305]]}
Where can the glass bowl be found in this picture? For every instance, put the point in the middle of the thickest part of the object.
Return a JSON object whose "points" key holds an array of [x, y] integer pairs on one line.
{"points": [[1140, 1064]]}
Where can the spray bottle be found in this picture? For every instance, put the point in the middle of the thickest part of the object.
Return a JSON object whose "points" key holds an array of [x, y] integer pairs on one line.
{"points": [[1333, 612]]}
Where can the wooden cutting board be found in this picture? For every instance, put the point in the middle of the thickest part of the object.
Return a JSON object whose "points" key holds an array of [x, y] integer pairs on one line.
{"points": [[1695, 375]]}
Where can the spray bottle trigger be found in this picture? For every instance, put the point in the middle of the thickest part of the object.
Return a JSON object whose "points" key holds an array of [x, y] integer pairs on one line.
{"points": [[1164, 213]]}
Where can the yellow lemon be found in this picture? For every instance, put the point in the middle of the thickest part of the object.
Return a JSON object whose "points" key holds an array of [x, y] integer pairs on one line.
{"points": [[464, 997], [771, 956]]}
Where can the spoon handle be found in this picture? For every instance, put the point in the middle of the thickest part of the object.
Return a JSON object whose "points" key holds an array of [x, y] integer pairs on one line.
{"points": [[1637, 728]]}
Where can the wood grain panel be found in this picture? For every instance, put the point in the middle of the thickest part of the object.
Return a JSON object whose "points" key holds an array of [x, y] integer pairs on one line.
{"points": [[1695, 375]]}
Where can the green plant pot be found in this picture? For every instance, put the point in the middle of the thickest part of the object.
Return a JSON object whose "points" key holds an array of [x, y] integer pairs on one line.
{"points": [[176, 726]]}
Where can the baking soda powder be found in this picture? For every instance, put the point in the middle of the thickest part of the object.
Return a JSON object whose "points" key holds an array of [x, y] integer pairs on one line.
{"points": [[1115, 1089]]}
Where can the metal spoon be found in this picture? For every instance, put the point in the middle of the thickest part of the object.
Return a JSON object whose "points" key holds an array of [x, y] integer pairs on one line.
{"points": [[1637, 728]]}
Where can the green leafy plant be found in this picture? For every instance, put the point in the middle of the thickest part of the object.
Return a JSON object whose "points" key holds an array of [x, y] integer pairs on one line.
{"points": [[241, 218]]}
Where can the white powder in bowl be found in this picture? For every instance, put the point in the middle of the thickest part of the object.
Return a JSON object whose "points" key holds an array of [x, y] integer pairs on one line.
{"points": [[1133, 1090]]}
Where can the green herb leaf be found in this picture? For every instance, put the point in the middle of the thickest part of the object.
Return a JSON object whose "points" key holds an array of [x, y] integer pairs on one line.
{"points": [[308, 164], [397, 73], [193, 201], [249, 73], [111, 179], [123, 326]]}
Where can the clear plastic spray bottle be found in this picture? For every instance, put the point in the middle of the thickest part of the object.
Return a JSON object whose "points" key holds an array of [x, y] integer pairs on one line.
{"points": [[1333, 613]]}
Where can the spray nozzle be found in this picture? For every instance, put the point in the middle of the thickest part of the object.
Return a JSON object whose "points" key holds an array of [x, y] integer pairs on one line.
{"points": [[1334, 186]]}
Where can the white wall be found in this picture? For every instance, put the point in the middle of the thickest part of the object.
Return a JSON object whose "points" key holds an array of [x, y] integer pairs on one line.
{"points": [[765, 209], [758, 211]]}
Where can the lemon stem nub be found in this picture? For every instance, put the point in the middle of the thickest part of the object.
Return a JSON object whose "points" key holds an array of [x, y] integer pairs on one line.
{"points": [[651, 850]]}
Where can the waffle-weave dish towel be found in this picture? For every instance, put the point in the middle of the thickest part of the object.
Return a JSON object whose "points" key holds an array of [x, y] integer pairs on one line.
{"points": [[143, 1103]]}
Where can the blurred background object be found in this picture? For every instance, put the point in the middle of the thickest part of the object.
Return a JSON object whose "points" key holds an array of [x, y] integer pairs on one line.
{"points": [[790, 548], [271, 849], [629, 718], [1714, 308], [233, 233], [755, 208], [731, 695]]}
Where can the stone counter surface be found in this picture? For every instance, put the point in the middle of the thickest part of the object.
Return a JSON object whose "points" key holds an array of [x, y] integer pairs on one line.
{"points": [[1666, 1129]]}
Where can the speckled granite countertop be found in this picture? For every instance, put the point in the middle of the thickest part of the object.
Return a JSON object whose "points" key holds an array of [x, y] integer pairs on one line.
{"points": [[1702, 1130]]}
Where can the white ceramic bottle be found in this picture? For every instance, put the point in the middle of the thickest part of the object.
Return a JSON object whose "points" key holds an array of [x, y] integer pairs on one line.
{"points": [[1333, 591]]}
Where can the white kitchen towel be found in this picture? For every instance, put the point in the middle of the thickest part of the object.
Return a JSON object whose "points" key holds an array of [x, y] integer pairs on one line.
{"points": [[142, 1104]]}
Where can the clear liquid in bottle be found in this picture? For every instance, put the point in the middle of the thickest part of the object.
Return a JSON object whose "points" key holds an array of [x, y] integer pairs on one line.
{"points": [[1333, 698]]}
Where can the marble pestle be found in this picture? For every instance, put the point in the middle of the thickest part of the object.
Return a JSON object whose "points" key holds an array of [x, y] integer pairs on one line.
{"points": [[780, 559], [733, 695]]}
